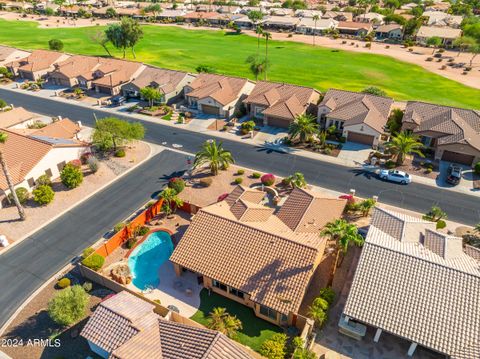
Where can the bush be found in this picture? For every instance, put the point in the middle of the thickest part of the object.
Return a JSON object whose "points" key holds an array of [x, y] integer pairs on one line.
{"points": [[328, 294], [238, 180], [87, 251], [55, 45], [342, 139], [22, 195], [240, 172], [256, 175], [477, 168], [390, 164], [131, 243], [441, 224], [76, 163], [93, 164], [118, 227], [268, 179], [68, 306], [206, 182], [247, 126], [63, 283], [87, 286], [143, 230], [94, 261], [275, 347], [177, 183], [327, 151], [71, 176], [120, 153], [43, 195], [320, 303], [43, 180]]}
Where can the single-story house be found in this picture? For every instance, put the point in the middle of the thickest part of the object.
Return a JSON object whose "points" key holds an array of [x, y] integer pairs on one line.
{"points": [[29, 157], [255, 255], [338, 15], [371, 17], [280, 11], [308, 13], [438, 6], [10, 54], [453, 133], [126, 327], [391, 31], [243, 22], [207, 17], [287, 22], [440, 18], [447, 34], [17, 117], [217, 94], [172, 14], [418, 284], [169, 82], [278, 104], [36, 65], [354, 28], [69, 72], [308, 26], [358, 116]]}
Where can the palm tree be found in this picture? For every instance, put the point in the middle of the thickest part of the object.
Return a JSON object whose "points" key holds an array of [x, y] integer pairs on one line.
{"points": [[403, 144], [259, 32], [213, 155], [304, 127], [366, 206], [257, 66], [342, 233], [267, 35], [318, 315], [3, 164], [315, 19], [223, 322], [255, 17], [477, 228], [170, 200], [297, 180]]}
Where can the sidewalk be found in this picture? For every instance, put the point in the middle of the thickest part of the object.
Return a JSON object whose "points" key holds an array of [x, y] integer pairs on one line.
{"points": [[201, 125]]}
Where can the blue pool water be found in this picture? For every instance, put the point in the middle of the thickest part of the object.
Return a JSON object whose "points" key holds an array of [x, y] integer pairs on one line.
{"points": [[145, 260]]}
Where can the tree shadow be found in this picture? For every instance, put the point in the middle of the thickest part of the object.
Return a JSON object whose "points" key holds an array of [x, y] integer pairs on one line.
{"points": [[269, 150], [365, 173]]}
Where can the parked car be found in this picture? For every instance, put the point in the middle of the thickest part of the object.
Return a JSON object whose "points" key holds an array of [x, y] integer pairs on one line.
{"points": [[118, 100], [395, 176], [454, 174]]}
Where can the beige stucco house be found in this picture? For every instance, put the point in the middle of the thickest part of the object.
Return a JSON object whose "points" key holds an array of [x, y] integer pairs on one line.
{"points": [[36, 65]]}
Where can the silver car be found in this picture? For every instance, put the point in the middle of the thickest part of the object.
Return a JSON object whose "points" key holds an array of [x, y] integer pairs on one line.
{"points": [[395, 176]]}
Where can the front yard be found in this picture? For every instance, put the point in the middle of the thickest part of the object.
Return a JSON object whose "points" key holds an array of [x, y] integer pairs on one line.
{"points": [[255, 330]]}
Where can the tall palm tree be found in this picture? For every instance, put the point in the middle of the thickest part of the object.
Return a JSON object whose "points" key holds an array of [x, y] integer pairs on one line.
{"points": [[343, 233], [259, 32], [477, 228], [3, 164], [403, 144], [213, 155], [315, 19], [257, 66], [223, 322], [304, 127], [267, 35], [170, 201]]}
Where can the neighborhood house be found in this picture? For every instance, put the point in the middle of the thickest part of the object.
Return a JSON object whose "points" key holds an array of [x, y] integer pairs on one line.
{"points": [[38, 64]]}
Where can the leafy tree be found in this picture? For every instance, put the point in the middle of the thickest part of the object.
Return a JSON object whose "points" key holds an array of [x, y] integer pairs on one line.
{"points": [[223, 322], [461, 9], [398, 19], [6, 173], [394, 122], [214, 156], [328, 294], [294, 4], [71, 176], [171, 201], [472, 29], [3, 104], [434, 42], [59, 3], [366, 206], [417, 11], [437, 215], [100, 38], [304, 353], [303, 127], [111, 13], [392, 4], [49, 11], [68, 306], [318, 311], [411, 26], [43, 195], [275, 347], [463, 43], [154, 9], [151, 94], [475, 50], [205, 69], [55, 45], [403, 144], [257, 66], [372, 90], [111, 132], [125, 34]]}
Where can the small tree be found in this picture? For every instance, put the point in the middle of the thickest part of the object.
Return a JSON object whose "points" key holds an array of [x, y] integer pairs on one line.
{"points": [[437, 215], [171, 201], [3, 104], [434, 42], [296, 180], [111, 13], [213, 155], [403, 144], [71, 176], [43, 195], [366, 206], [69, 305], [153, 9], [304, 127], [223, 322], [257, 65], [372, 90], [275, 347], [22, 195], [304, 353], [111, 132], [55, 45], [151, 94], [394, 122], [318, 314]]}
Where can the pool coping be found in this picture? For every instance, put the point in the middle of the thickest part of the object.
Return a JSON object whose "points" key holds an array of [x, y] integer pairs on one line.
{"points": [[145, 237]]}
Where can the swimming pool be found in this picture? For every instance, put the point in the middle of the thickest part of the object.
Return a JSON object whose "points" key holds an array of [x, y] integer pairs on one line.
{"points": [[145, 260]]}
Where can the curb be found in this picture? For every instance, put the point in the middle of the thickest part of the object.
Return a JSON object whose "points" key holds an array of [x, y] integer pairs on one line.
{"points": [[105, 185]]}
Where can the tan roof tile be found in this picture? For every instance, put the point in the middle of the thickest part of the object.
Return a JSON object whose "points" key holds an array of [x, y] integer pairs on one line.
{"points": [[14, 117], [38, 60], [163, 79], [64, 128], [221, 88]]}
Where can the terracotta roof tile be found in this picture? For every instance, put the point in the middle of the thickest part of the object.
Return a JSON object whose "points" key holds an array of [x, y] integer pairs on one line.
{"points": [[14, 117], [221, 88], [64, 128]]}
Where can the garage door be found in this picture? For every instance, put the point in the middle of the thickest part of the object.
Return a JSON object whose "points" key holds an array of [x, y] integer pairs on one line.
{"points": [[457, 157], [211, 110], [360, 138], [278, 122]]}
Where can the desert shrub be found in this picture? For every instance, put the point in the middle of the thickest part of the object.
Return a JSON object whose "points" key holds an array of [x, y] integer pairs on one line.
{"points": [[247, 126], [143, 230], [441, 224], [22, 195], [55, 44], [76, 163], [131, 243], [63, 283], [93, 164], [43, 180], [87, 286], [238, 180], [268, 179], [240, 172], [120, 153], [477, 168], [95, 261], [328, 294], [43, 195], [71, 176], [118, 227], [256, 175], [177, 183], [275, 347], [68, 306], [84, 157], [87, 251], [206, 182], [390, 164]]}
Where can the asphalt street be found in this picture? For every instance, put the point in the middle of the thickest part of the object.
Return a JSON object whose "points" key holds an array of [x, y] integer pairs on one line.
{"points": [[25, 267], [418, 197]]}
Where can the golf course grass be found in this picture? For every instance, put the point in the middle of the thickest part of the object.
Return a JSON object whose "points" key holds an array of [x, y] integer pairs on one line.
{"points": [[296, 63]]}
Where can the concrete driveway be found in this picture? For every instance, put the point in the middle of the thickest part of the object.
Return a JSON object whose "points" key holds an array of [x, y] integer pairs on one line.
{"points": [[468, 176], [355, 153]]}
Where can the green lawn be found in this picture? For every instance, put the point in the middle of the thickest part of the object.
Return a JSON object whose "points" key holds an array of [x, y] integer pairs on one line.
{"points": [[255, 330], [301, 64]]}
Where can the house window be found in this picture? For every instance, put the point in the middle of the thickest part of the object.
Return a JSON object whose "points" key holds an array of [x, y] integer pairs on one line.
{"points": [[49, 172], [427, 141], [31, 182], [219, 285], [236, 293], [268, 312], [61, 165], [284, 318], [259, 112]]}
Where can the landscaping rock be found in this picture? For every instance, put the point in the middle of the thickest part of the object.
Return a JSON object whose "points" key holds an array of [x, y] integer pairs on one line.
{"points": [[121, 274]]}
